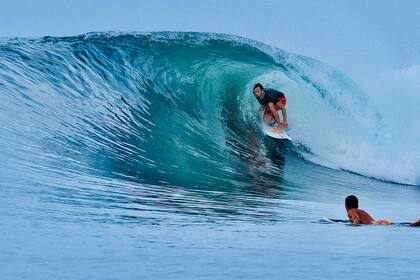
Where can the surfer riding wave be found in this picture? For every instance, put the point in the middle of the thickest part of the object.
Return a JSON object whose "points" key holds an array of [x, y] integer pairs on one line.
{"points": [[272, 101]]}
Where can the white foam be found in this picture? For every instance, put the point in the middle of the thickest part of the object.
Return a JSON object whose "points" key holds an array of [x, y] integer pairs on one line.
{"points": [[344, 131]]}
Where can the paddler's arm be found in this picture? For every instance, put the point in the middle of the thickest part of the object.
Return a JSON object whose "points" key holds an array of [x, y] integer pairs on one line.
{"points": [[354, 218]]}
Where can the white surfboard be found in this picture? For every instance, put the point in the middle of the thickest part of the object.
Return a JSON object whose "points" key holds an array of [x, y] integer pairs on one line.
{"points": [[268, 130], [325, 220]]}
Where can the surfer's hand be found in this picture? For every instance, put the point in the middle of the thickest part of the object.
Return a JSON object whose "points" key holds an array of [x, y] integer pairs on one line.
{"points": [[285, 124]]}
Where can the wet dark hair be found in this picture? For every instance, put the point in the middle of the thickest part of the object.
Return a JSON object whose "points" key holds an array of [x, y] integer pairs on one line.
{"points": [[352, 202], [258, 85]]}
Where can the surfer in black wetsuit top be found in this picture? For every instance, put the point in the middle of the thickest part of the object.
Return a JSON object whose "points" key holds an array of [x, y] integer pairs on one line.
{"points": [[272, 100]]}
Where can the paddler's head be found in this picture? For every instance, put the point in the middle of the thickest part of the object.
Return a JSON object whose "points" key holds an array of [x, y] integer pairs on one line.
{"points": [[351, 202]]}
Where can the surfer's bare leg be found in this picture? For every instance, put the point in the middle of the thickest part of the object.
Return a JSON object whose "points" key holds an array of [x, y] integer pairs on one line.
{"points": [[267, 119], [274, 113], [273, 110], [284, 124], [284, 114], [267, 116]]}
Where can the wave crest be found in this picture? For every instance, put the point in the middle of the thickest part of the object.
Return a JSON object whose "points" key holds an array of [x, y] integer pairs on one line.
{"points": [[176, 108]]}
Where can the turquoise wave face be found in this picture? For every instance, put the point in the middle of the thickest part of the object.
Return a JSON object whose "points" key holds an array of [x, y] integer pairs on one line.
{"points": [[177, 109]]}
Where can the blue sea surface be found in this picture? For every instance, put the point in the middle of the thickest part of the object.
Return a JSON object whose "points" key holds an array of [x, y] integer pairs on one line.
{"points": [[142, 156]]}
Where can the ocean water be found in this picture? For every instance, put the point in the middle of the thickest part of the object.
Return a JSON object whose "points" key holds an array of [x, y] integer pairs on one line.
{"points": [[141, 155]]}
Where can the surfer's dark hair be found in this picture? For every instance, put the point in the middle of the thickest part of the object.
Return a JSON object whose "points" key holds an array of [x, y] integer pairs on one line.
{"points": [[352, 202], [258, 85]]}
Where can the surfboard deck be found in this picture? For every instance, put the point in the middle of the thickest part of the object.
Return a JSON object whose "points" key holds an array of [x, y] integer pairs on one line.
{"points": [[326, 220], [268, 130]]}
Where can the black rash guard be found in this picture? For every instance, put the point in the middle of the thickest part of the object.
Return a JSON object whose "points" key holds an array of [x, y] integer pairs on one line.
{"points": [[271, 95]]}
